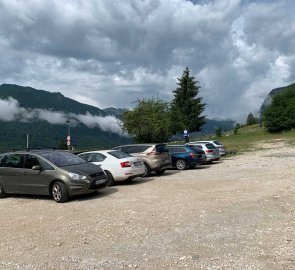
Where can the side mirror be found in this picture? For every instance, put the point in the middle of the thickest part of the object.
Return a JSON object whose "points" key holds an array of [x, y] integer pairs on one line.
{"points": [[37, 168]]}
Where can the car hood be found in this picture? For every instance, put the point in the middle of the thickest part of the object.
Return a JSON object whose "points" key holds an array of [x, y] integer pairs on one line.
{"points": [[83, 168]]}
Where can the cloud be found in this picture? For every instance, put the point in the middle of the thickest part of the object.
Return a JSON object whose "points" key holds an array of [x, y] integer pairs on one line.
{"points": [[109, 53], [11, 111]]}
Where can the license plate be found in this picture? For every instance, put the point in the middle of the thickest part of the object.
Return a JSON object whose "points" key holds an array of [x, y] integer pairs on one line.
{"points": [[97, 182]]}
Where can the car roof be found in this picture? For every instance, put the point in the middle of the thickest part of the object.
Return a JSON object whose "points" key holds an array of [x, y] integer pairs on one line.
{"points": [[98, 151], [139, 144]]}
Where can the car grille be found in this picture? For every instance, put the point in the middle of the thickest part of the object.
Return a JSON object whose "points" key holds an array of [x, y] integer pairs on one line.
{"points": [[95, 175]]}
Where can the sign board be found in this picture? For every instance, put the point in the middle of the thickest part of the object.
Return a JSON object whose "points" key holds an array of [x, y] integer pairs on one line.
{"points": [[68, 138], [185, 132], [68, 143]]}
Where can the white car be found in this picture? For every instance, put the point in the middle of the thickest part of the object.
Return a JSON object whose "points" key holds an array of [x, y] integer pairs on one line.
{"points": [[217, 144], [118, 166]]}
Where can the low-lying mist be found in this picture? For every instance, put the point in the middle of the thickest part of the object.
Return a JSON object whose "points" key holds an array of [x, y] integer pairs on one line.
{"points": [[11, 111]]}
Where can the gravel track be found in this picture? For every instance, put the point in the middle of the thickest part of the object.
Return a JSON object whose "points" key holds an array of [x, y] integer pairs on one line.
{"points": [[235, 214]]}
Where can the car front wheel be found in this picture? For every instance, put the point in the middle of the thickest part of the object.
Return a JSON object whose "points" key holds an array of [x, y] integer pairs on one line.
{"points": [[59, 192], [180, 164]]}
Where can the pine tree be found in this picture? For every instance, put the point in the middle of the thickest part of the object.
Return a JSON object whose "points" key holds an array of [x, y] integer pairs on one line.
{"points": [[186, 107]]}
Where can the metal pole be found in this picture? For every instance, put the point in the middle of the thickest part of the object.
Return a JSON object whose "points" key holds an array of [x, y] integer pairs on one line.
{"points": [[27, 140]]}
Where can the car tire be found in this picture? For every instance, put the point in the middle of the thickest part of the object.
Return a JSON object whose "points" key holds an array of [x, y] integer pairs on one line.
{"points": [[160, 172], [110, 177], [60, 192], [147, 170], [180, 164], [2, 192]]}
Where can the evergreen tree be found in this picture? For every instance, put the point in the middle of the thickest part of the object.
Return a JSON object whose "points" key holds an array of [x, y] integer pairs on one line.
{"points": [[186, 107], [251, 119]]}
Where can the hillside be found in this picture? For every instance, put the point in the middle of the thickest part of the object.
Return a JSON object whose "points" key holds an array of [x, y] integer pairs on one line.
{"points": [[44, 115], [46, 134], [268, 99]]}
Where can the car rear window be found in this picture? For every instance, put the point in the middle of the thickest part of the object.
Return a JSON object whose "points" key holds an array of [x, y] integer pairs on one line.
{"points": [[210, 146], [217, 143], [119, 154], [161, 148]]}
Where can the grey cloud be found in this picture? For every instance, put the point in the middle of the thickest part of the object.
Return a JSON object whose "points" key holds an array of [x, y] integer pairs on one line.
{"points": [[113, 52], [11, 111]]}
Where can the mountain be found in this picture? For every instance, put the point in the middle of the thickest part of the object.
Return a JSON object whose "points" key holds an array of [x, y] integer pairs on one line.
{"points": [[267, 101], [50, 128], [44, 115]]}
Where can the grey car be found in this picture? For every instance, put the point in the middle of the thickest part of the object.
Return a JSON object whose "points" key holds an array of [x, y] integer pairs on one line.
{"points": [[49, 172]]}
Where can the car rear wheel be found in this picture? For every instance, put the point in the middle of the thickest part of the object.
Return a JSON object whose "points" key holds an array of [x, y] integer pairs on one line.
{"points": [[147, 170], [110, 177], [180, 164], [59, 192], [2, 193]]}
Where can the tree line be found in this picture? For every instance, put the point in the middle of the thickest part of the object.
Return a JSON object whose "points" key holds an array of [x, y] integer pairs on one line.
{"points": [[155, 120]]}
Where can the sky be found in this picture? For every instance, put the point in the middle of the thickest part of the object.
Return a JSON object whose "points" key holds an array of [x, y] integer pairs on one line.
{"points": [[111, 53]]}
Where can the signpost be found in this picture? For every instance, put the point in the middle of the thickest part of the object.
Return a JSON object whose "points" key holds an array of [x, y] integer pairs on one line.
{"points": [[186, 136]]}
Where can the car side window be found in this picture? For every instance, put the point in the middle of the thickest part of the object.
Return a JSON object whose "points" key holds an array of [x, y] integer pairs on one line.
{"points": [[13, 161], [181, 150], [45, 165], [199, 146], [31, 161], [96, 157], [171, 149]]}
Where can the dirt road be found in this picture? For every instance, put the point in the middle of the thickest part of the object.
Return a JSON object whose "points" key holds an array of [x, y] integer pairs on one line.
{"points": [[235, 214]]}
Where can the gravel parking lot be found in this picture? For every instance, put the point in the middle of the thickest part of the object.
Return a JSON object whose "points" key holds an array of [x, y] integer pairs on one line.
{"points": [[235, 214]]}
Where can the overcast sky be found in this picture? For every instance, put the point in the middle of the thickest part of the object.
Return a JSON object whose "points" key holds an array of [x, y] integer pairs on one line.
{"points": [[109, 53]]}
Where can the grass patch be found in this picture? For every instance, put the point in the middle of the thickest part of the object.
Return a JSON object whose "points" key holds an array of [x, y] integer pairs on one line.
{"points": [[249, 137]]}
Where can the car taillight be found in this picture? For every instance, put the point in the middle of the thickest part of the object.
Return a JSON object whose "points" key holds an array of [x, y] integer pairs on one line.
{"points": [[209, 151], [193, 155], [153, 153], [125, 164]]}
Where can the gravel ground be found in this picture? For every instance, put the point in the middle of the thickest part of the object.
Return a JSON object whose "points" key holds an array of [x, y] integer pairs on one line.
{"points": [[235, 214]]}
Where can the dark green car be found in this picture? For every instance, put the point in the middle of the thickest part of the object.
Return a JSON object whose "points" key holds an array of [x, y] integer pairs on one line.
{"points": [[59, 174]]}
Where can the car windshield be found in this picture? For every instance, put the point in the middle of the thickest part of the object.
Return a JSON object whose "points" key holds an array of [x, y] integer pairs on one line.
{"points": [[119, 154], [62, 159]]}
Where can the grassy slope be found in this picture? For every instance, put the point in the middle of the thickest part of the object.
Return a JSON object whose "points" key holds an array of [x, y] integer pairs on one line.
{"points": [[248, 138]]}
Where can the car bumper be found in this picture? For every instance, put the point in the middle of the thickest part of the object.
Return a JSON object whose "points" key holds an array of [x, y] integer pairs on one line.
{"points": [[129, 174], [78, 188]]}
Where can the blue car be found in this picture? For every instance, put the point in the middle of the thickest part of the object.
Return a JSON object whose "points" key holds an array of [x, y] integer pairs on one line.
{"points": [[184, 156]]}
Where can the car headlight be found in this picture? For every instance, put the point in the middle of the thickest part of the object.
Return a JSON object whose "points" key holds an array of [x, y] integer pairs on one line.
{"points": [[75, 176]]}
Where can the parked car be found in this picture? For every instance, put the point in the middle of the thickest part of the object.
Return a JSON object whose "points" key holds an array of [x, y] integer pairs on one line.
{"points": [[211, 152], [49, 172], [217, 144], [155, 157], [118, 165], [184, 156]]}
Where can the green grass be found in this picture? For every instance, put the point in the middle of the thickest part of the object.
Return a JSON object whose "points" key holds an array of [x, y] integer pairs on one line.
{"points": [[248, 138]]}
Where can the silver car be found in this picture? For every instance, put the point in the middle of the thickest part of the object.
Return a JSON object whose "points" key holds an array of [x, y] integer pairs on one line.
{"points": [[211, 152], [217, 144]]}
